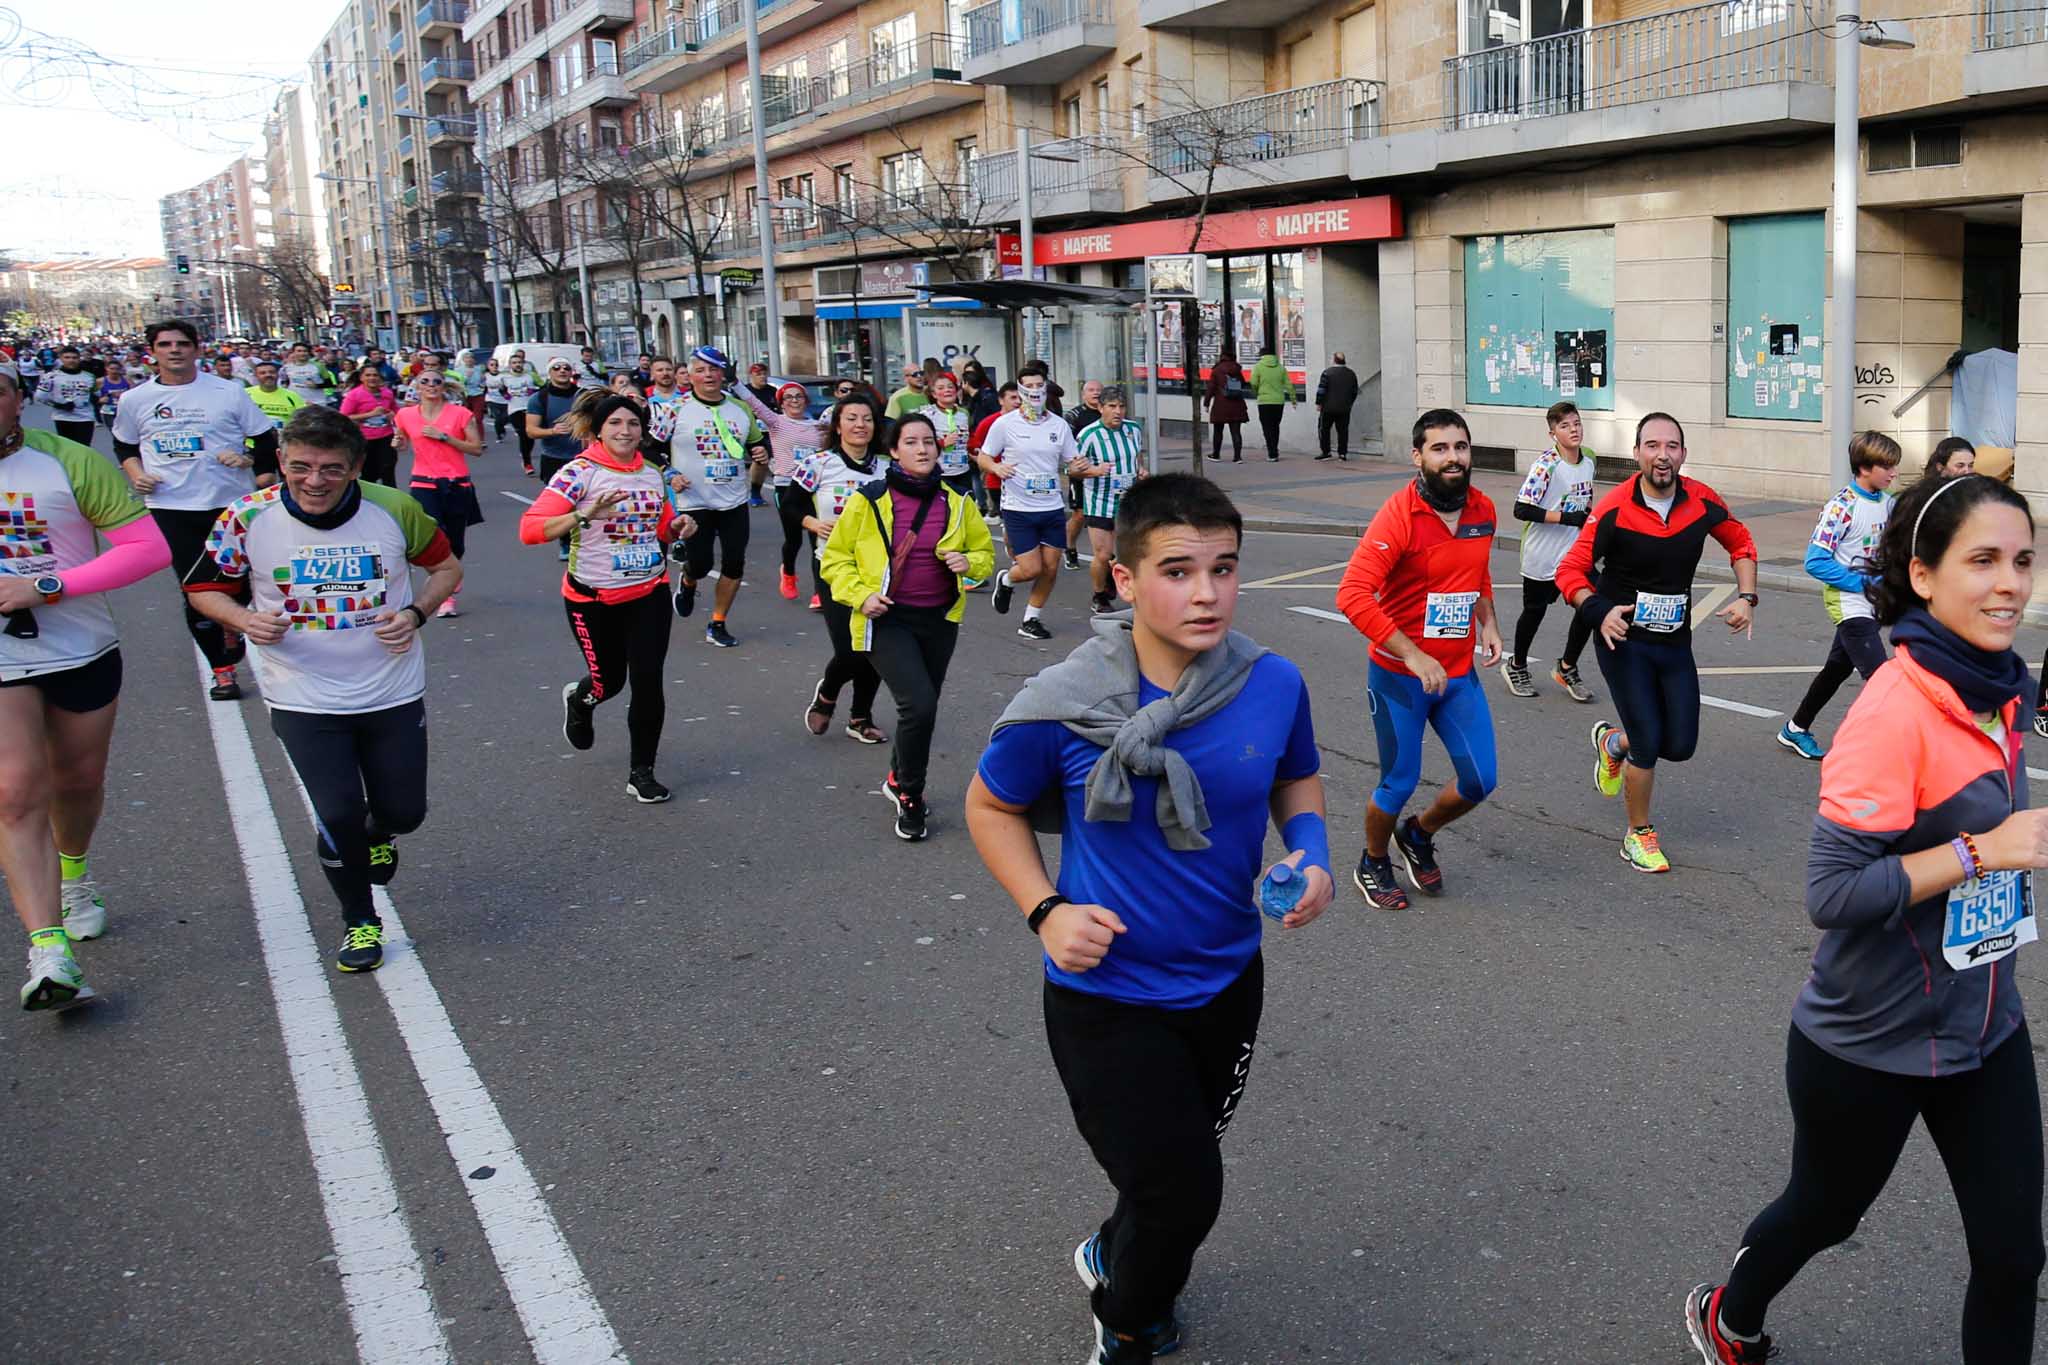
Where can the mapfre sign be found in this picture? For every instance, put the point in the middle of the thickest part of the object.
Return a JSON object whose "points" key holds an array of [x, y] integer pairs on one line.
{"points": [[1369, 219]]}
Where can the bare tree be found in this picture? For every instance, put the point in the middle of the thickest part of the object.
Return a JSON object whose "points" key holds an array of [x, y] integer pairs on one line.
{"points": [[690, 198], [530, 240], [293, 281], [626, 221]]}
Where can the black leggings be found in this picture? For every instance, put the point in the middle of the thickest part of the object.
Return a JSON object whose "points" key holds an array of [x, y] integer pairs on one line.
{"points": [[186, 533], [380, 461], [366, 775], [1537, 595], [624, 645], [791, 509], [847, 664], [525, 446], [1858, 647], [80, 432], [501, 417], [1236, 439], [722, 531], [1849, 1125], [1152, 1092], [910, 648], [1656, 691]]}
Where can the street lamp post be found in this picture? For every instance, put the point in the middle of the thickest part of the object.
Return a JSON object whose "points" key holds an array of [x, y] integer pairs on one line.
{"points": [[390, 279], [765, 220], [1851, 37], [1026, 228]]}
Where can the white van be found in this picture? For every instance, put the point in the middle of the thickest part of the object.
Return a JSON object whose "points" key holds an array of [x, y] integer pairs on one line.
{"points": [[540, 355]]}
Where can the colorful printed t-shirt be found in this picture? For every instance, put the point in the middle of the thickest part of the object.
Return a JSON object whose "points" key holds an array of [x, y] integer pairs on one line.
{"points": [[54, 495], [1556, 485], [1848, 532], [709, 449], [953, 426], [334, 583], [619, 554]]}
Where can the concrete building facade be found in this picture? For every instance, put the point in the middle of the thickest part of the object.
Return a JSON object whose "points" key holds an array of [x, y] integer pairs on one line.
{"points": [[223, 218]]}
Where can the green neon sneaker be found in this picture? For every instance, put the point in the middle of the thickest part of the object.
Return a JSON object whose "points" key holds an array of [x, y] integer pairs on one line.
{"points": [[1640, 851], [55, 980], [1606, 767], [362, 949], [383, 861], [85, 911]]}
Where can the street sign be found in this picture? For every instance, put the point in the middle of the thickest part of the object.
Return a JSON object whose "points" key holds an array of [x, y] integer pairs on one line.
{"points": [[739, 275], [337, 321]]}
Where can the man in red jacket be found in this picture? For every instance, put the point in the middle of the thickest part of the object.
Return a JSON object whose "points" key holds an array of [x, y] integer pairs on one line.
{"points": [[1647, 537], [1417, 587]]}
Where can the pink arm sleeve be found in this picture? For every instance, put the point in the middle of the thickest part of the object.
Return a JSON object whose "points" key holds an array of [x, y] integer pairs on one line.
{"points": [[548, 504], [133, 553]]}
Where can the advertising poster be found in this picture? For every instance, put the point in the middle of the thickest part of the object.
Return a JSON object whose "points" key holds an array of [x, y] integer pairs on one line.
{"points": [[1170, 345], [1294, 336], [1212, 336], [1251, 330]]}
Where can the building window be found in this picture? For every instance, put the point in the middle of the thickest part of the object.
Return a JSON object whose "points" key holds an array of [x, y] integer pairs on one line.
{"points": [[893, 48], [966, 151], [903, 179], [1777, 296], [1070, 114], [1102, 107], [1539, 319]]}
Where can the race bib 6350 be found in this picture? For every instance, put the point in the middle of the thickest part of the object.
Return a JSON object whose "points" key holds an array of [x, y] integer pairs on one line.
{"points": [[1988, 918]]}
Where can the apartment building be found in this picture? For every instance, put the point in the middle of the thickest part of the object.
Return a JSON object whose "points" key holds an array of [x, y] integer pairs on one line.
{"points": [[289, 170], [402, 188], [1493, 205], [223, 217]]}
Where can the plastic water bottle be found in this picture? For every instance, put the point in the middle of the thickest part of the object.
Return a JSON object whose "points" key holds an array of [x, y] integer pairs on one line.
{"points": [[1280, 890]]}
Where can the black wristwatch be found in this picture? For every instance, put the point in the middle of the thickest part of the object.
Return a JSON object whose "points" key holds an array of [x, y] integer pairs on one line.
{"points": [[1749, 597], [417, 615], [1042, 909]]}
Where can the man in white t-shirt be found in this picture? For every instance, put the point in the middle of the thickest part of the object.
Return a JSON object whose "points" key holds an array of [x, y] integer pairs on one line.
{"points": [[1027, 449], [192, 443], [324, 566], [1552, 504], [715, 437], [307, 377]]}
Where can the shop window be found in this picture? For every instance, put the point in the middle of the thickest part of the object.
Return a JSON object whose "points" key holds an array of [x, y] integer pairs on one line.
{"points": [[1539, 319], [1776, 296]]}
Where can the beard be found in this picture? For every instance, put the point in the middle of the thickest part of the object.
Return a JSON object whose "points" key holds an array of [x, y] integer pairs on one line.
{"points": [[1447, 486]]}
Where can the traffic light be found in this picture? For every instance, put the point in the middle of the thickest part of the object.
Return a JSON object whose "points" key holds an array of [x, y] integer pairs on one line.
{"points": [[184, 265]]}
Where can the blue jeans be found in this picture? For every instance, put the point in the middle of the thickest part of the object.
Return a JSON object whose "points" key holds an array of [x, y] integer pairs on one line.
{"points": [[1459, 715]]}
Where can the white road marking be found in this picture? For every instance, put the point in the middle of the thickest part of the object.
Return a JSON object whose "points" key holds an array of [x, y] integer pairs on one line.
{"points": [[506, 493], [382, 1281], [1741, 708], [2038, 774], [563, 1321], [1277, 579], [1711, 603], [1302, 587], [1320, 614]]}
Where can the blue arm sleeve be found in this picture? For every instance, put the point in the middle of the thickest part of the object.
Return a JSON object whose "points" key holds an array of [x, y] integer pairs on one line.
{"points": [[1824, 566], [1311, 835]]}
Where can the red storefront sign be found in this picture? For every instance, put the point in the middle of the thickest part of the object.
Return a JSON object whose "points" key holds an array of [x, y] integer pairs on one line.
{"points": [[1009, 248], [1372, 218]]}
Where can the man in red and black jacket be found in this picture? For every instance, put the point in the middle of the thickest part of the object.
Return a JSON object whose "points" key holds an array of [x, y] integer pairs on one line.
{"points": [[1420, 589], [1646, 538]]}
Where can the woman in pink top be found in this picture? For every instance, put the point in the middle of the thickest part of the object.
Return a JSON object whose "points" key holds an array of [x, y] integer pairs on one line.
{"points": [[371, 403], [442, 436], [792, 439]]}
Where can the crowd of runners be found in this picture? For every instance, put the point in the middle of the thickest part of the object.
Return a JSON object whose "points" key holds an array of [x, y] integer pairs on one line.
{"points": [[1160, 750]]}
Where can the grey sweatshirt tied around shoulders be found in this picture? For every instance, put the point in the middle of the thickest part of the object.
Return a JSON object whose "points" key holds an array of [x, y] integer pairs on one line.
{"points": [[1094, 693]]}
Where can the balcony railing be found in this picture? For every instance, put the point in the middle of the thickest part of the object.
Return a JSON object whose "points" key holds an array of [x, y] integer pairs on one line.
{"points": [[714, 19], [410, 197], [1311, 118], [935, 56], [397, 43], [445, 69], [993, 26], [401, 96], [1696, 51], [2009, 23], [933, 207], [440, 12], [457, 182], [1079, 167], [405, 145], [678, 35], [439, 129]]}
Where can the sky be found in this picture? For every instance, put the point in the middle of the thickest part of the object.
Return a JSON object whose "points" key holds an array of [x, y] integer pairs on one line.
{"points": [[116, 103]]}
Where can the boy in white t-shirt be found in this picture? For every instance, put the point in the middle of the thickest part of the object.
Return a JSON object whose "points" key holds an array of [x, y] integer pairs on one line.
{"points": [[1552, 504]]}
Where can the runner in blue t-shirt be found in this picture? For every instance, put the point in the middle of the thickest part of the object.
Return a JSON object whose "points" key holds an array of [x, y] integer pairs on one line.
{"points": [[1154, 982]]}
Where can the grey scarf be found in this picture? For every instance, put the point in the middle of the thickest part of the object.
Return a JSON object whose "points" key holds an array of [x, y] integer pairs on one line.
{"points": [[1094, 693]]}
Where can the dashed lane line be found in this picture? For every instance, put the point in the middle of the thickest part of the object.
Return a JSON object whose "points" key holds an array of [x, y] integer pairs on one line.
{"points": [[382, 1279]]}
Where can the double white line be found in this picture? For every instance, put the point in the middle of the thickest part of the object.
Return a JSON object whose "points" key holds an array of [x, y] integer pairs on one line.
{"points": [[382, 1275]]}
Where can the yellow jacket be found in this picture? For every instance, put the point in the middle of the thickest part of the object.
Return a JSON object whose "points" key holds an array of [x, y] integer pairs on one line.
{"points": [[855, 563]]}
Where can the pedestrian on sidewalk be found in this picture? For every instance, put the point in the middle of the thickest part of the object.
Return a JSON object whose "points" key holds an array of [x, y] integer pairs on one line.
{"points": [[1226, 393], [1952, 458], [1336, 393], [1275, 393]]}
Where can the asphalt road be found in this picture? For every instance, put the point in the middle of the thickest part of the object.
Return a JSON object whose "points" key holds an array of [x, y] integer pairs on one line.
{"points": [[779, 1081]]}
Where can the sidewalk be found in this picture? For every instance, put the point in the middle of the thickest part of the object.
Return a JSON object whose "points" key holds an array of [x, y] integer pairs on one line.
{"points": [[1304, 495]]}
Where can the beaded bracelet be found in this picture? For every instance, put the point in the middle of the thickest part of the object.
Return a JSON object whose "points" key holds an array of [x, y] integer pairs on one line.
{"points": [[1966, 852]]}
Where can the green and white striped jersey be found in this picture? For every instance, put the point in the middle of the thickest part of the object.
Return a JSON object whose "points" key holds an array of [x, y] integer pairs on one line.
{"points": [[1123, 450]]}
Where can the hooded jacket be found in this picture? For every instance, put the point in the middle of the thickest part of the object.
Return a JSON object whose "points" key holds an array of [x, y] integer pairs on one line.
{"points": [[1270, 383]]}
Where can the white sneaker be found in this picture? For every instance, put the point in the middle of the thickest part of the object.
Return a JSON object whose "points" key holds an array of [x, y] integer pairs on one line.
{"points": [[55, 981], [85, 911]]}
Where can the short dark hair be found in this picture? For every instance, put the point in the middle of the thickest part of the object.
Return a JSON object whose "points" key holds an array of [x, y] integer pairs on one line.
{"points": [[1868, 448], [1435, 418], [1659, 417], [856, 399], [157, 329], [1945, 449], [1560, 410], [1923, 525], [1009, 386], [67, 350], [323, 428], [1171, 500], [1037, 367]]}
